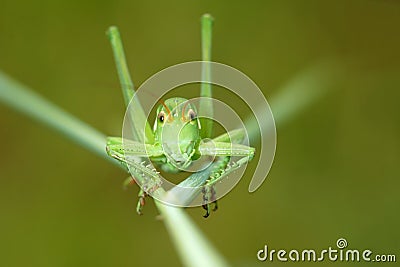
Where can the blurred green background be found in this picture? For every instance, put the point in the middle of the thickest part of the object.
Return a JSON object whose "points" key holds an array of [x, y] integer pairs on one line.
{"points": [[336, 170]]}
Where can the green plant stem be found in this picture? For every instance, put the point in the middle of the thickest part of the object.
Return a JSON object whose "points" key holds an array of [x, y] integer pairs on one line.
{"points": [[193, 248], [26, 101], [305, 88]]}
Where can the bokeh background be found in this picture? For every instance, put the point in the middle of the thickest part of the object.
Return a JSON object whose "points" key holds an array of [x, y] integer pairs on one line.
{"points": [[336, 170]]}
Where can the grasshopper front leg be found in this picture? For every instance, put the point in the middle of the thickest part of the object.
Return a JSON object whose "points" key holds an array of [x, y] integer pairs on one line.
{"points": [[221, 146], [130, 154]]}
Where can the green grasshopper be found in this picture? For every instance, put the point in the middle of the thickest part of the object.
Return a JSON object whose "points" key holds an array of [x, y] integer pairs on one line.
{"points": [[176, 120]]}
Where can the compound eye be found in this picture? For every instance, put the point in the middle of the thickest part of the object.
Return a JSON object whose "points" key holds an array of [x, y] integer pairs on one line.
{"points": [[192, 115], [161, 116]]}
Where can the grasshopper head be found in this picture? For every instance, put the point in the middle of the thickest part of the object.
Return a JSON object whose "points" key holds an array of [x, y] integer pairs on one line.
{"points": [[176, 128]]}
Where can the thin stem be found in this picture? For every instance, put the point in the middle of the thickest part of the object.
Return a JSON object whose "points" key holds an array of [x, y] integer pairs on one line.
{"points": [[305, 88], [192, 247], [21, 98]]}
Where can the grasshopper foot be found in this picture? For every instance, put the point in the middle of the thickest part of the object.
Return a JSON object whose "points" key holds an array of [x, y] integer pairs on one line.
{"points": [[141, 202], [209, 197], [207, 208]]}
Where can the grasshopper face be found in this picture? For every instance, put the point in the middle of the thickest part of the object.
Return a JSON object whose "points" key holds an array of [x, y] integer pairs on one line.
{"points": [[176, 128]]}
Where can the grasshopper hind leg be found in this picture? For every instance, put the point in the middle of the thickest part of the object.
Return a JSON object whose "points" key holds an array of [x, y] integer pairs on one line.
{"points": [[141, 195]]}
